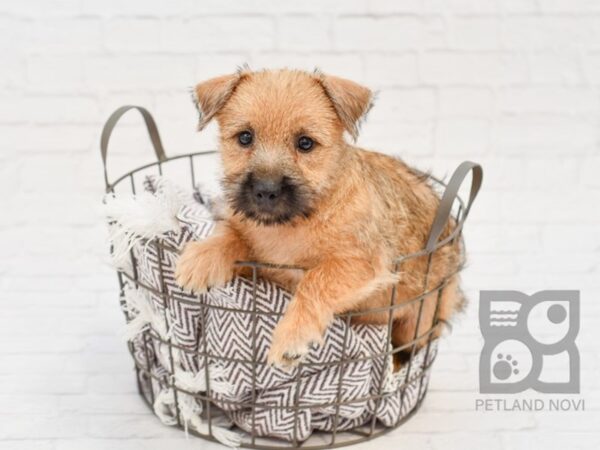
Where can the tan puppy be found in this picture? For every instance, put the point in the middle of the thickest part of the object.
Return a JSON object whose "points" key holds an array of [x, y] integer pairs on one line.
{"points": [[299, 194]]}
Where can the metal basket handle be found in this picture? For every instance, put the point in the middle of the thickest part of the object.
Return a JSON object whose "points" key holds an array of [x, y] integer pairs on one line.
{"points": [[150, 127], [450, 193]]}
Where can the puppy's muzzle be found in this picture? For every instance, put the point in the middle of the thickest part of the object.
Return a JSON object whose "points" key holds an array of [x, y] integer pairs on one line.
{"points": [[266, 193], [269, 198]]}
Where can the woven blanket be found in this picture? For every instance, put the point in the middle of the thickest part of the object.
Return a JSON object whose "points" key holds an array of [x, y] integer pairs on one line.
{"points": [[214, 340]]}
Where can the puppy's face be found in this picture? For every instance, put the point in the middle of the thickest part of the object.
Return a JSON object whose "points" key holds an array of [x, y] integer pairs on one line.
{"points": [[281, 138]]}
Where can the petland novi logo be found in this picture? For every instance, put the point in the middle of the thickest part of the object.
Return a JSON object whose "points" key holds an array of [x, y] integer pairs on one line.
{"points": [[529, 343]]}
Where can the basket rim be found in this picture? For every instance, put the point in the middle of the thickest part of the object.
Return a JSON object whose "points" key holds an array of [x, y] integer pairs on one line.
{"points": [[346, 316]]}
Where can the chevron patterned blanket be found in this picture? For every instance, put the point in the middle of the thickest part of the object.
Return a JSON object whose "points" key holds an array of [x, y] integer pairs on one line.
{"points": [[192, 347]]}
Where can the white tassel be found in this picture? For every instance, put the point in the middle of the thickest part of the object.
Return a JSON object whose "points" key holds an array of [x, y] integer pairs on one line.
{"points": [[219, 426], [190, 411], [226, 437], [119, 255], [162, 403], [197, 382], [141, 217], [164, 356], [140, 307]]}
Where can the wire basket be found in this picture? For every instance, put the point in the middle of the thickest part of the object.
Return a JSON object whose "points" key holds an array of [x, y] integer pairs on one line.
{"points": [[194, 167]]}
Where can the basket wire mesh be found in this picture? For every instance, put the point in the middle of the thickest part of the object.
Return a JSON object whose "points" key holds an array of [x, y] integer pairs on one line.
{"points": [[451, 207]]}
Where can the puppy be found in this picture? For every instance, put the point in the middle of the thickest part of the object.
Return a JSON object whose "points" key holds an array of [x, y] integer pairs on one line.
{"points": [[299, 194]]}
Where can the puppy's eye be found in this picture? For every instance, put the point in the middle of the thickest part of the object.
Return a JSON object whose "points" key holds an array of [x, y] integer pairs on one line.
{"points": [[305, 144], [245, 138]]}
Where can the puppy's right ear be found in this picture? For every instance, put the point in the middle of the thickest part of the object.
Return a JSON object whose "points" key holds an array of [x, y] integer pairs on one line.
{"points": [[211, 95], [351, 101]]}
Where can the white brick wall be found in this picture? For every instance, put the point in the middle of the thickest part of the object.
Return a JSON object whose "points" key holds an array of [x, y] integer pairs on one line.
{"points": [[513, 84]]}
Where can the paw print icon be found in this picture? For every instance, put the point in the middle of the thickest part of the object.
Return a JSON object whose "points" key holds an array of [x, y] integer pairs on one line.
{"points": [[529, 342], [505, 367]]}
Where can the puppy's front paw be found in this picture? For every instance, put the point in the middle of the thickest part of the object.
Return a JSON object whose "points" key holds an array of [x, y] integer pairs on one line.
{"points": [[291, 343], [202, 265]]}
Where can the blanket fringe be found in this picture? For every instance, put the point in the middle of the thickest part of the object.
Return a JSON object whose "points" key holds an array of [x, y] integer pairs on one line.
{"points": [[198, 383], [140, 308], [190, 411], [141, 217]]}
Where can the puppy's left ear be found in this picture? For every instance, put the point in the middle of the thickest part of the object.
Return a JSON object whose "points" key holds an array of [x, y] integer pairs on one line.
{"points": [[211, 95], [351, 100]]}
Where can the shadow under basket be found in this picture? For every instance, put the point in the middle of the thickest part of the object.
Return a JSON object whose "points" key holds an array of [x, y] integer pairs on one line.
{"points": [[200, 360]]}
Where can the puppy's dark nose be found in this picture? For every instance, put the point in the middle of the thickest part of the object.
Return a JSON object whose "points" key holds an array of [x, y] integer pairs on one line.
{"points": [[266, 192]]}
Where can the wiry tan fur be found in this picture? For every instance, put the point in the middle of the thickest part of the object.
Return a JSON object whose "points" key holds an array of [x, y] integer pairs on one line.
{"points": [[366, 209]]}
